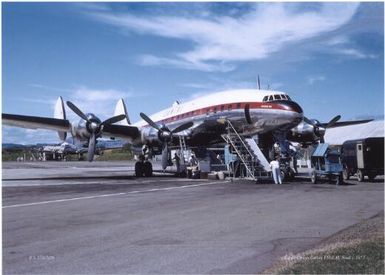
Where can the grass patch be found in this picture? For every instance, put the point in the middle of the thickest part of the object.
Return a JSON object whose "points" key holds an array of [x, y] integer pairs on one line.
{"points": [[358, 249], [360, 257]]}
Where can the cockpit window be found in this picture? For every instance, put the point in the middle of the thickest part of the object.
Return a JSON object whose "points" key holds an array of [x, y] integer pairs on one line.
{"points": [[271, 98], [283, 97], [277, 97], [266, 98], [288, 97]]}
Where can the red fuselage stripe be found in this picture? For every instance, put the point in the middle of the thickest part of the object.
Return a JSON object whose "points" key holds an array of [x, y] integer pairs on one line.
{"points": [[224, 108]]}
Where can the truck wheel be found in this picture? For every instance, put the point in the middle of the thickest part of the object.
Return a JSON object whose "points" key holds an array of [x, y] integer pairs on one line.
{"points": [[314, 177], [339, 179], [346, 174], [147, 169], [138, 169], [360, 175]]}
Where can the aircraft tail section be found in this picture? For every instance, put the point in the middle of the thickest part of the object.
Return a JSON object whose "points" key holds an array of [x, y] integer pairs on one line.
{"points": [[121, 109], [60, 113]]}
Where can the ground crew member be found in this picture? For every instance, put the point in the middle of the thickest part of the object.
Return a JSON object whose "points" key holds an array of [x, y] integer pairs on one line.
{"points": [[274, 164], [177, 163]]}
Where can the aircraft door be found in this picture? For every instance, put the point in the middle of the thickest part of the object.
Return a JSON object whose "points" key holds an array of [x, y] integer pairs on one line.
{"points": [[360, 155]]}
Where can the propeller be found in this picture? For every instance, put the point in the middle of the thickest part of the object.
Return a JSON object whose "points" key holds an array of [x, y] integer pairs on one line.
{"points": [[165, 135], [320, 128], [94, 127]]}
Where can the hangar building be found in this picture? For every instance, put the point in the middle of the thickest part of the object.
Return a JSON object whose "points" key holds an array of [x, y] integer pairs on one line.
{"points": [[338, 135]]}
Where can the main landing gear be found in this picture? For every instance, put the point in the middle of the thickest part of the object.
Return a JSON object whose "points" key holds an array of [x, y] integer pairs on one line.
{"points": [[143, 169]]}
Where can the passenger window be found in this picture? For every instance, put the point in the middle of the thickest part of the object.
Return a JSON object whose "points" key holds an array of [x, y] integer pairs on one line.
{"points": [[266, 98], [277, 97]]}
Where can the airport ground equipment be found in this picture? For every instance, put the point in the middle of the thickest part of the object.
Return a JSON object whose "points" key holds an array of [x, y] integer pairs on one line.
{"points": [[245, 159], [363, 157], [326, 163]]}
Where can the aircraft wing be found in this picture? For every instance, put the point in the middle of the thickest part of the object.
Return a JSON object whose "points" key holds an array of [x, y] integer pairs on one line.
{"points": [[35, 122], [346, 123], [121, 131]]}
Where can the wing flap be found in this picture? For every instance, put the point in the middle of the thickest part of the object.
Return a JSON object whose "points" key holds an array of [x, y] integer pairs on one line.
{"points": [[34, 122]]}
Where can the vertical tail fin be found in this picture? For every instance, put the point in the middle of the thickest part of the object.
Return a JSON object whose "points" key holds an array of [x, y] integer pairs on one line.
{"points": [[60, 113], [120, 109]]}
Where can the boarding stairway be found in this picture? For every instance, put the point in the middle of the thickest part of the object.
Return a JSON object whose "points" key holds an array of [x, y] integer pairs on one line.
{"points": [[184, 154], [253, 164]]}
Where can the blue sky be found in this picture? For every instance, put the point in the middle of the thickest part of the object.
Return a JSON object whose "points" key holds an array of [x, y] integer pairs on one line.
{"points": [[329, 57]]}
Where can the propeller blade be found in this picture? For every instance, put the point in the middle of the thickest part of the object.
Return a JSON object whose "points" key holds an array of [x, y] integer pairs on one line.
{"points": [[113, 119], [182, 127], [76, 110], [91, 148], [165, 156], [308, 121], [149, 121], [333, 121]]}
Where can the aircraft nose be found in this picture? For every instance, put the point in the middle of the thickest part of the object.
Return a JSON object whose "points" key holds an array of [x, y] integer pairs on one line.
{"points": [[290, 106]]}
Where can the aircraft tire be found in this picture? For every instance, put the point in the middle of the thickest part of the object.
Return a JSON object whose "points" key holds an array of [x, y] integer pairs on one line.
{"points": [[139, 169], [339, 179], [147, 169]]}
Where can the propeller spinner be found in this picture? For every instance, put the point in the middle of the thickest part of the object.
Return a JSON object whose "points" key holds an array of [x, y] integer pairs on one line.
{"points": [[94, 127], [320, 128]]}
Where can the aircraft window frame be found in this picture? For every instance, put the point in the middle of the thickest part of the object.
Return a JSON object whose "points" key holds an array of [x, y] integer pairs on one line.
{"points": [[265, 98]]}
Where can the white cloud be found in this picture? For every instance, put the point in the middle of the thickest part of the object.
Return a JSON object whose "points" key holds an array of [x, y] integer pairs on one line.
{"points": [[257, 34], [355, 53], [312, 79], [151, 60], [101, 102], [28, 136]]}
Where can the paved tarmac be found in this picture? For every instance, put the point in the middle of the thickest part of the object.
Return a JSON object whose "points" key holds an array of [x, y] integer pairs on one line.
{"points": [[97, 218]]}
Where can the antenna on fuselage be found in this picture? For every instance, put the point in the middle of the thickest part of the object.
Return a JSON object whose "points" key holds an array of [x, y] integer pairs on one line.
{"points": [[259, 83]]}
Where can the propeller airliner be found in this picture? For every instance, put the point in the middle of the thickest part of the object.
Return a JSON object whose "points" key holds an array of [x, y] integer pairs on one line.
{"points": [[272, 115]]}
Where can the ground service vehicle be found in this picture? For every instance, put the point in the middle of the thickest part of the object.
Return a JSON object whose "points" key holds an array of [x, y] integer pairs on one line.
{"points": [[363, 157], [326, 164]]}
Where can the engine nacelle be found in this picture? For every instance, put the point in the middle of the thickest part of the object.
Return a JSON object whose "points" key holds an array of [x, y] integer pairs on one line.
{"points": [[303, 133], [82, 129]]}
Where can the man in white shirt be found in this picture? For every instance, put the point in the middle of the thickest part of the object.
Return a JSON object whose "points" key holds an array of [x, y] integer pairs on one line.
{"points": [[274, 164]]}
